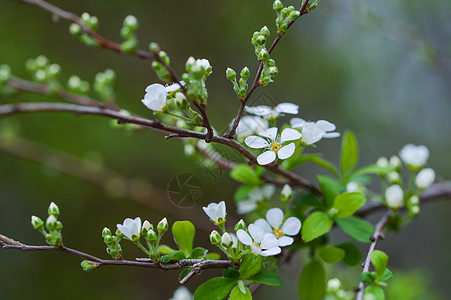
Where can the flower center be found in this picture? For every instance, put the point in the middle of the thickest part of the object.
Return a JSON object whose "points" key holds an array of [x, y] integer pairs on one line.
{"points": [[275, 146], [278, 233]]}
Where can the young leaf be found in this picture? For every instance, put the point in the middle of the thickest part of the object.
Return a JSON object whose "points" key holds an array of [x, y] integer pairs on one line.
{"points": [[242, 192], [330, 254], [314, 158], [357, 228], [165, 249], [387, 275], [245, 174], [231, 273], [312, 282], [372, 169], [250, 265], [267, 277], [348, 203], [379, 260], [330, 188], [213, 256], [317, 224], [349, 153], [236, 294], [198, 252], [215, 289], [183, 232], [352, 253], [173, 256], [376, 291]]}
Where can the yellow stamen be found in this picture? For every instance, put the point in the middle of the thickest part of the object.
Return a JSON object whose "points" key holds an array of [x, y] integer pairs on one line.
{"points": [[274, 146], [278, 233]]}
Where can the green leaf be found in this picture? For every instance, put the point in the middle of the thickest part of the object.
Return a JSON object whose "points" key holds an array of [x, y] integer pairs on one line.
{"points": [[357, 228], [183, 232], [349, 153], [306, 200], [312, 282], [368, 277], [231, 273], [173, 256], [317, 224], [165, 249], [348, 203], [242, 192], [379, 260], [331, 254], [250, 265], [330, 188], [236, 294], [213, 256], [376, 291], [314, 158], [372, 169], [245, 174], [215, 289], [267, 277], [184, 273], [198, 252], [387, 275], [352, 253]]}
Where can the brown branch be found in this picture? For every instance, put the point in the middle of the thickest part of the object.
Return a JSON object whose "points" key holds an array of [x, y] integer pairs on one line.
{"points": [[198, 264], [256, 84]]}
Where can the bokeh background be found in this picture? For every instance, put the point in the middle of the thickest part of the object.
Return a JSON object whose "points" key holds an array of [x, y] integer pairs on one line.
{"points": [[379, 68]]}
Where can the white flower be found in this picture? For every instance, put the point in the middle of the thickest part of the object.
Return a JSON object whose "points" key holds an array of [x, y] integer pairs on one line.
{"points": [[274, 143], [216, 211], [226, 240], [205, 63], [352, 187], [249, 125], [414, 156], [382, 162], [312, 132], [394, 196], [174, 87], [146, 226], [182, 293], [257, 194], [425, 178], [272, 113], [264, 244], [273, 224], [333, 285], [130, 228], [155, 97]]}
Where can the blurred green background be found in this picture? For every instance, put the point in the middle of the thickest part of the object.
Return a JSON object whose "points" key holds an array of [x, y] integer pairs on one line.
{"points": [[379, 68]]}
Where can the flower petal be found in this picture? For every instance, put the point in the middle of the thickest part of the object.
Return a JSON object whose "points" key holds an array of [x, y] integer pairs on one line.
{"points": [[285, 241], [286, 151], [287, 108], [311, 133], [244, 237], [155, 99], [266, 158], [256, 233], [289, 134], [261, 110], [275, 217], [271, 251], [329, 135], [325, 125], [291, 226], [269, 133], [269, 241], [263, 224], [246, 206], [256, 142], [297, 122]]}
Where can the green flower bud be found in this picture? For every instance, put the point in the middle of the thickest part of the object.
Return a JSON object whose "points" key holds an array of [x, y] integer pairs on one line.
{"points": [[260, 40], [75, 29], [53, 70], [277, 6], [126, 33], [263, 55], [189, 63], [273, 71], [30, 65], [146, 227], [129, 46], [5, 73], [162, 226], [41, 76], [89, 266], [59, 226], [286, 194], [53, 209], [119, 234], [215, 237], [226, 240], [151, 236], [109, 239], [294, 15], [106, 231], [50, 224], [154, 48], [243, 92], [240, 225], [164, 57], [265, 31], [283, 28], [180, 100], [230, 74], [131, 22], [414, 211], [88, 41], [85, 17], [271, 63], [245, 73], [37, 223], [41, 61], [284, 12]]}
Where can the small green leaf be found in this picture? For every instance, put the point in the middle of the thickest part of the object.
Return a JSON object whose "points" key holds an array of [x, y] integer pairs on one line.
{"points": [[379, 260], [267, 277], [213, 256], [376, 291], [242, 192], [372, 169], [183, 232], [368, 277], [184, 273], [198, 252], [357, 228], [348, 203], [312, 282], [245, 174], [241, 286], [352, 253], [314, 158], [236, 294], [173, 256], [215, 289], [231, 273], [317, 224], [387, 275], [330, 188], [165, 249], [250, 265], [330, 254], [349, 153]]}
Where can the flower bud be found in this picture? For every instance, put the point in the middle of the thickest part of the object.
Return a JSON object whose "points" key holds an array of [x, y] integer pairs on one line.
{"points": [[286, 194], [395, 162], [414, 211], [88, 265], [162, 226], [164, 57], [294, 15], [54, 70], [230, 74], [41, 61], [5, 73], [245, 73], [394, 178], [273, 71], [333, 285], [41, 76], [277, 6], [109, 239], [119, 234], [189, 64], [226, 240], [151, 235], [131, 22], [394, 196], [263, 55], [129, 46], [53, 209], [146, 227], [37, 223], [414, 200], [154, 48], [265, 31], [50, 224], [240, 225], [425, 178], [260, 39], [75, 29], [215, 237]]}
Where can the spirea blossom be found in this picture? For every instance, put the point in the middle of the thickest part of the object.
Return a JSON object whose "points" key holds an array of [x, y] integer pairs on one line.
{"points": [[130, 228], [155, 97], [282, 230], [273, 112], [264, 244], [274, 144], [249, 125], [394, 196], [216, 212], [425, 178], [312, 132], [414, 156]]}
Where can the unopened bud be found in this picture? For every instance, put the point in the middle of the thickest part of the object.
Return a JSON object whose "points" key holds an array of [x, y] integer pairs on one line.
{"points": [[240, 225], [89, 266], [286, 194], [53, 209], [215, 237], [230, 74], [162, 226], [37, 223], [277, 6], [226, 240]]}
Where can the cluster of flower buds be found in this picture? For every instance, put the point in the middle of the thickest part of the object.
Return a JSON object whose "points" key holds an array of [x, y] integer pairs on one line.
{"points": [[157, 65], [284, 16], [197, 71], [92, 23], [259, 39], [5, 76], [53, 227], [335, 291], [43, 71], [78, 86], [103, 85], [241, 87], [128, 31], [113, 247]]}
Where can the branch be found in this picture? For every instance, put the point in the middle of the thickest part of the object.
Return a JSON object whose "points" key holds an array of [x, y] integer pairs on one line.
{"points": [[256, 84], [197, 264]]}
